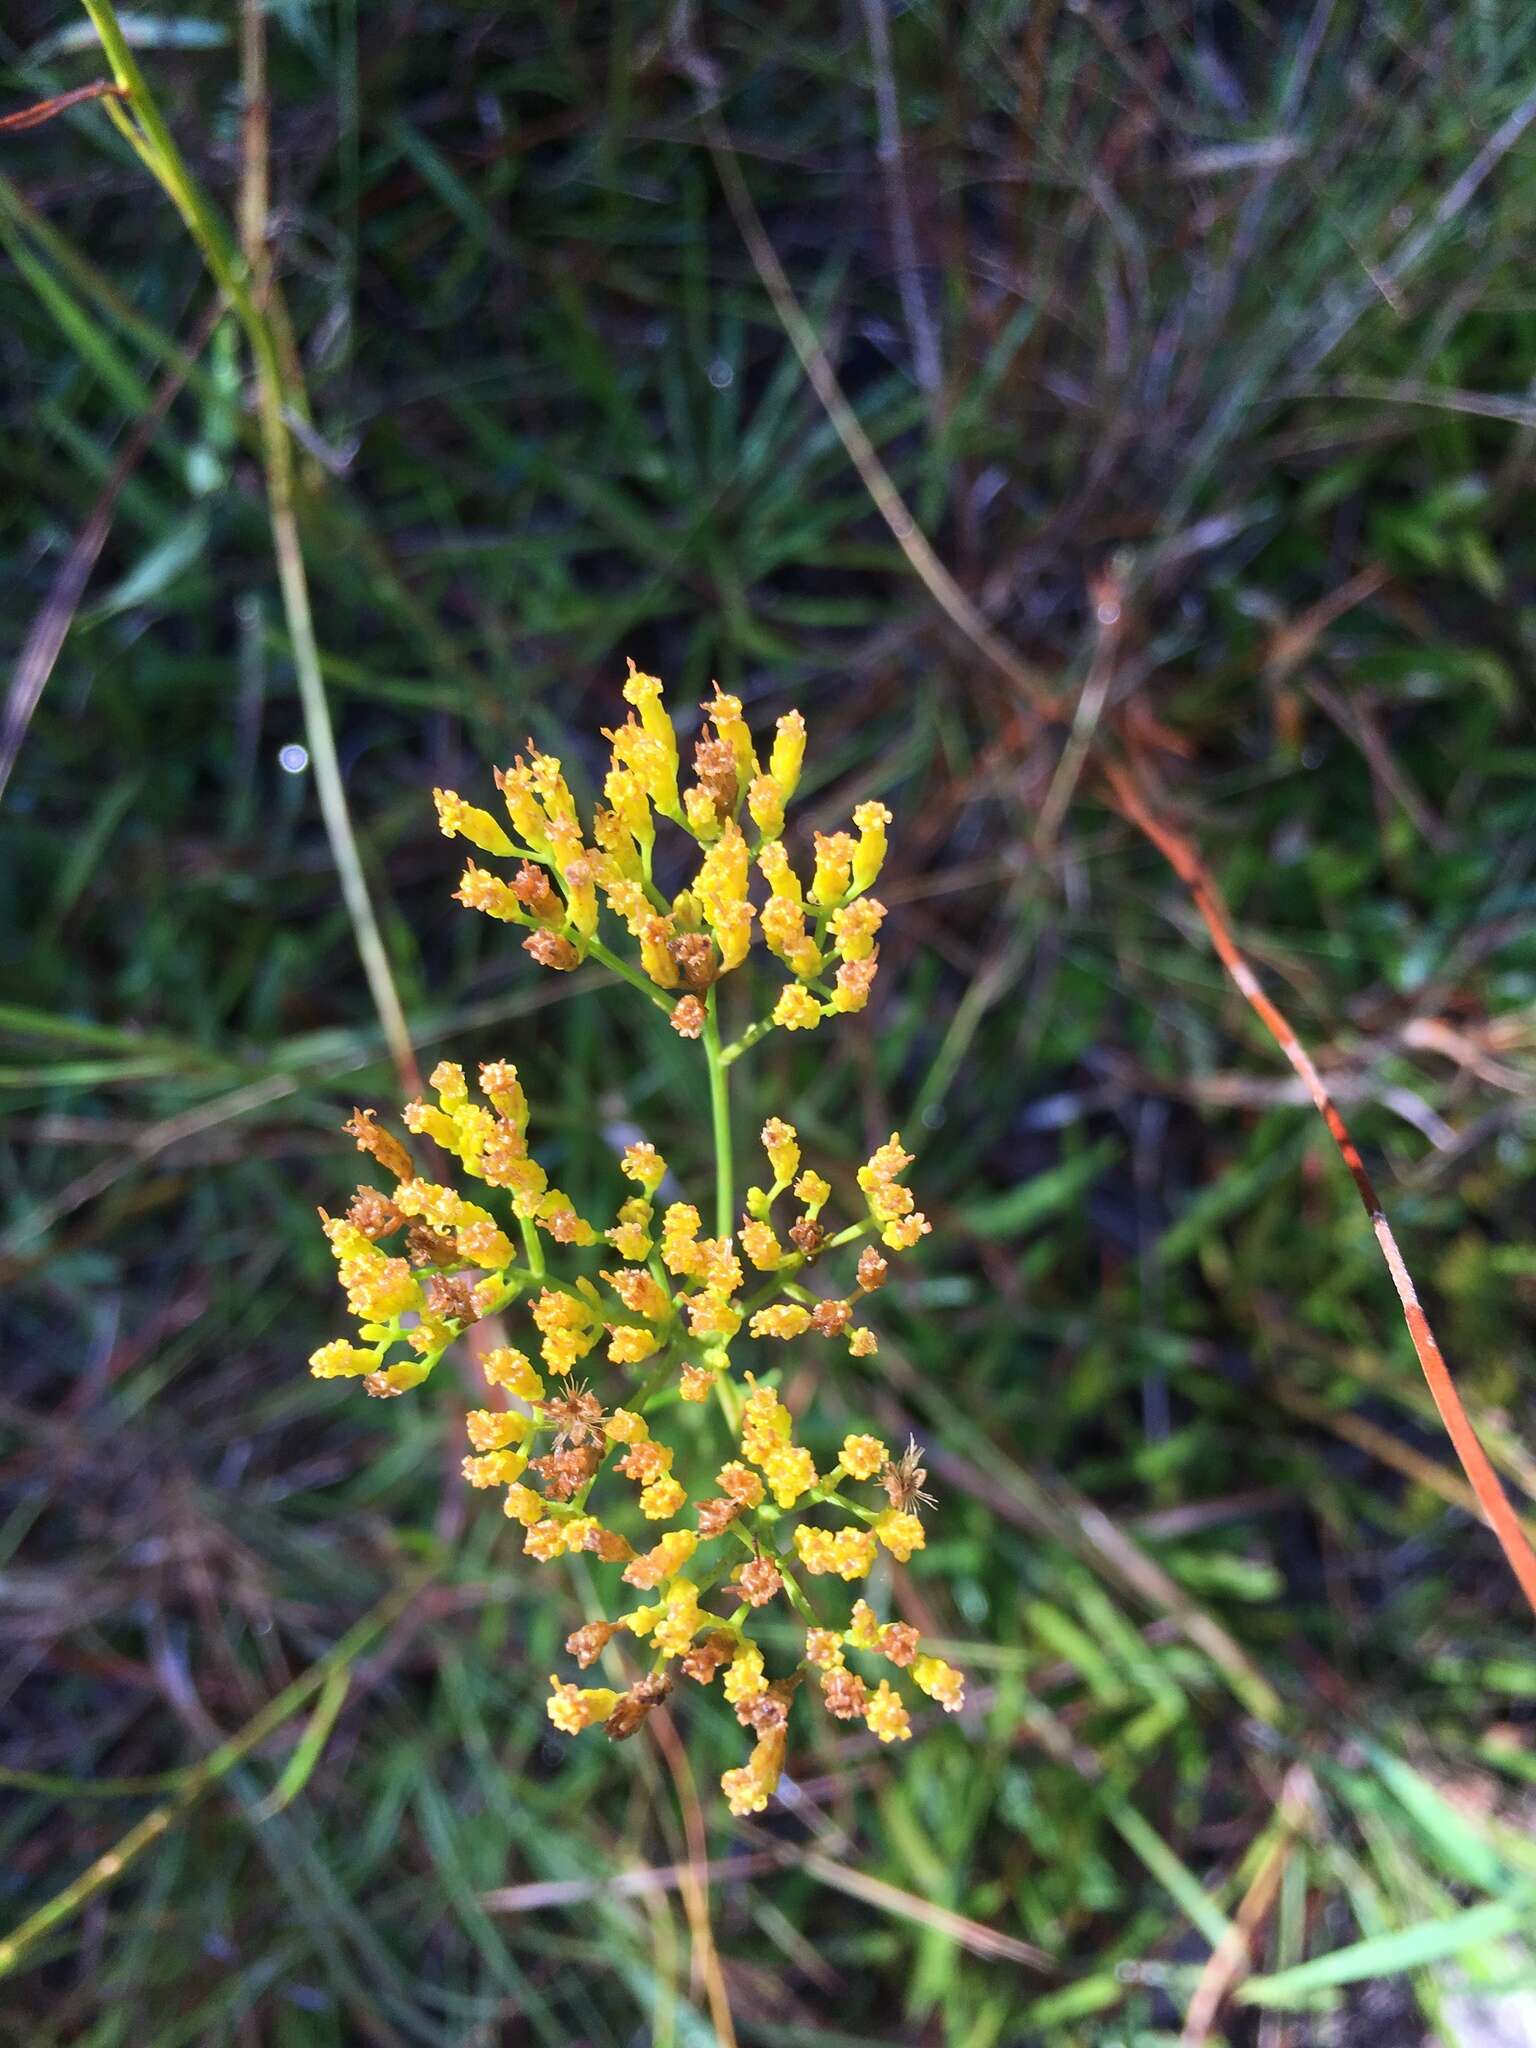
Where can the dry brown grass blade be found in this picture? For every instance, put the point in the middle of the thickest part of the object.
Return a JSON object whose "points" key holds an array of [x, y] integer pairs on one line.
{"points": [[1180, 853], [694, 1879], [1232, 1958], [956, 604]]}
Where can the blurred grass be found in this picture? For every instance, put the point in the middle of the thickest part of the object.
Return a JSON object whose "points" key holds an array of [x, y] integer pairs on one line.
{"points": [[1214, 300]]}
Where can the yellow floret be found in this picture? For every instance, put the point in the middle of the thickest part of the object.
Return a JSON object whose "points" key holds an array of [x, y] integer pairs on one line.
{"points": [[574, 1707], [886, 1716], [796, 1009], [863, 1456], [901, 1534]]}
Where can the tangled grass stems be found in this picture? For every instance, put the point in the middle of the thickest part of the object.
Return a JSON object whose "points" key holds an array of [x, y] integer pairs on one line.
{"points": [[1175, 846]]}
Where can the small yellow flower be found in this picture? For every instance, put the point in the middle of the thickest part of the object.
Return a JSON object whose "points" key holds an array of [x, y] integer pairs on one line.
{"points": [[680, 1226], [341, 1360], [823, 1649], [941, 1682], [796, 1009], [886, 1716], [782, 1146], [744, 1678], [789, 1472], [496, 1468], [623, 1426], [467, 822], [740, 1485], [834, 867], [761, 1246], [781, 1319], [545, 1539], [523, 1505], [511, 1369], [901, 1534], [663, 1497], [643, 1163], [869, 854], [629, 1344], [574, 1707], [863, 1456], [492, 1429]]}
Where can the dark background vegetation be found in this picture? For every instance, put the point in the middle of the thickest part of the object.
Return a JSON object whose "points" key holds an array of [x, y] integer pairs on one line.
{"points": [[1214, 298]]}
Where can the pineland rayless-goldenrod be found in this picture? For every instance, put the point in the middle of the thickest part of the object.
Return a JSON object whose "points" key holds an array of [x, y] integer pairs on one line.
{"points": [[575, 1448]]}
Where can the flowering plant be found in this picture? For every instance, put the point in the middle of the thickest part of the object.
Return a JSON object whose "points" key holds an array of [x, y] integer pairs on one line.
{"points": [[670, 1303]]}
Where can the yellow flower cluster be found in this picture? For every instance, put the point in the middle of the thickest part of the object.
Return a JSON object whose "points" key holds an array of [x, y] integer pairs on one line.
{"points": [[823, 931], [649, 1328]]}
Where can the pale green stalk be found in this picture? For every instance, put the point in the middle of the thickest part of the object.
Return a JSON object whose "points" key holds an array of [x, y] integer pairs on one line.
{"points": [[139, 120]]}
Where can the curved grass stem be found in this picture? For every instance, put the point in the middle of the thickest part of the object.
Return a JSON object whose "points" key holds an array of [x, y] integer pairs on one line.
{"points": [[137, 117]]}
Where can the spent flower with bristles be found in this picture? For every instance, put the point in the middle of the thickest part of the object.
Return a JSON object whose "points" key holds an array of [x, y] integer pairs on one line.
{"points": [[662, 1319]]}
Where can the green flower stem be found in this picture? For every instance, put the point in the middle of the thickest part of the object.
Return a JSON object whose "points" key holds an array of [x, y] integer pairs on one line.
{"points": [[597, 951], [720, 1117], [725, 1192], [778, 1284], [749, 1038], [535, 1251]]}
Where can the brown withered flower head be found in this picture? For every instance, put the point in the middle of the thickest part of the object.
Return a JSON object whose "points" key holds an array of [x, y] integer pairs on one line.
{"points": [[758, 1580], [903, 1481], [373, 1213], [576, 1415], [807, 1235], [564, 1473], [452, 1294], [635, 1705]]}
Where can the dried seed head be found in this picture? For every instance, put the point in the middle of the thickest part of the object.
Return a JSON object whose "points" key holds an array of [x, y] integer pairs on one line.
{"points": [[831, 1318], [565, 1472], [808, 1235], [587, 1644], [696, 958], [382, 1145], [576, 1415], [903, 1481], [765, 1711], [551, 950], [635, 1705], [530, 885], [451, 1297], [899, 1641], [375, 1215], [707, 1655], [423, 1247], [714, 763], [758, 1581], [715, 1516], [872, 1269], [688, 1018], [844, 1694]]}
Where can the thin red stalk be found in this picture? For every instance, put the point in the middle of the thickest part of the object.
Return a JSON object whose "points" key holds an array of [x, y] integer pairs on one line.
{"points": [[1179, 851], [45, 110]]}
